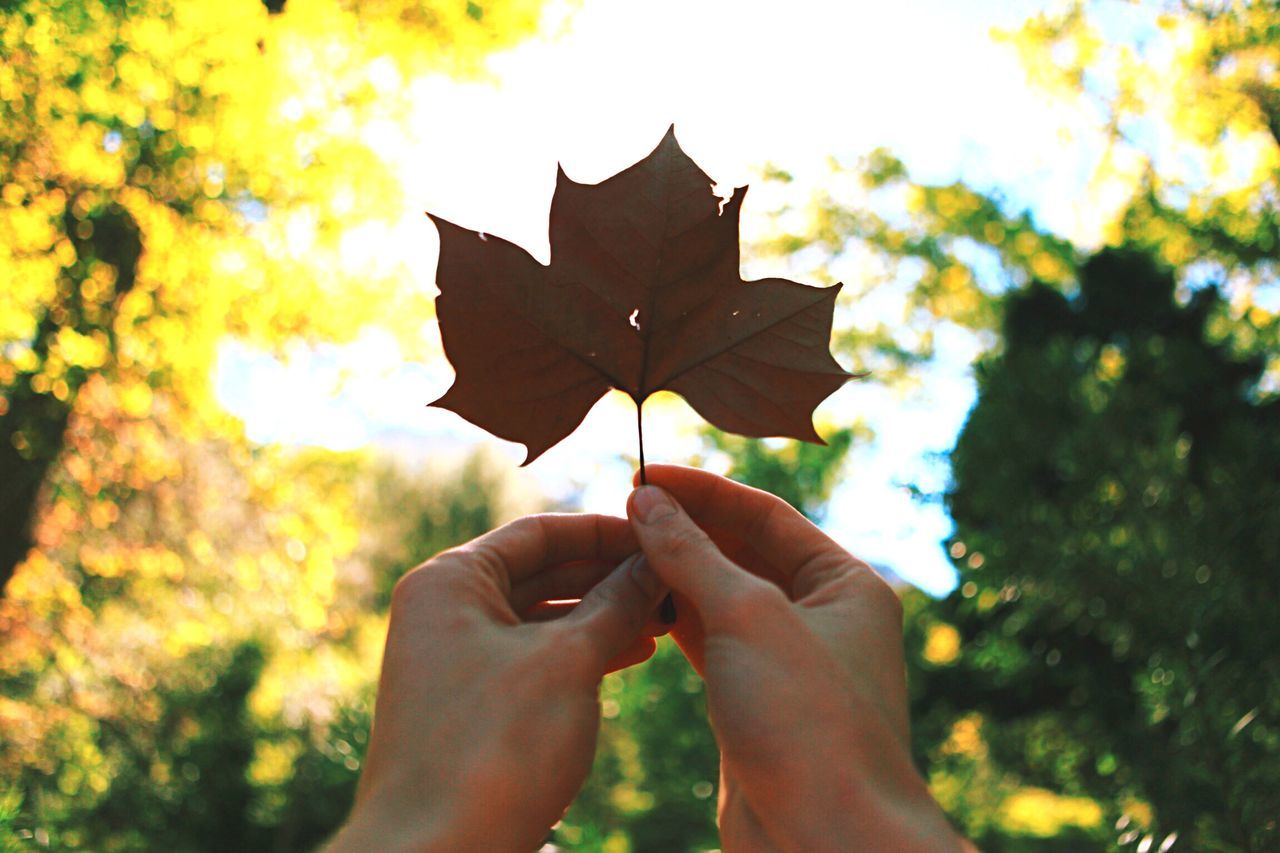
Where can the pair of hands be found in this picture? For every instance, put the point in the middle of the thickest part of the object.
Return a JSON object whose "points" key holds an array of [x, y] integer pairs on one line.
{"points": [[487, 708]]}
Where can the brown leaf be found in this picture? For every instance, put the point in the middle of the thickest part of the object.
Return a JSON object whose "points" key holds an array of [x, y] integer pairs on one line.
{"points": [[643, 294]]}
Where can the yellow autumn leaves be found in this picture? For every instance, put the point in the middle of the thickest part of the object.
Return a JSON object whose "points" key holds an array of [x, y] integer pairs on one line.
{"points": [[173, 172]]}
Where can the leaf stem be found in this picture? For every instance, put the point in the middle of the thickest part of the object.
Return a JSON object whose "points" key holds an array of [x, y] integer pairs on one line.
{"points": [[667, 611], [640, 434]]}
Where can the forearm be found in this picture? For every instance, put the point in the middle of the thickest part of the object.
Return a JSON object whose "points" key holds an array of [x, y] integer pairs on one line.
{"points": [[839, 824], [821, 799]]}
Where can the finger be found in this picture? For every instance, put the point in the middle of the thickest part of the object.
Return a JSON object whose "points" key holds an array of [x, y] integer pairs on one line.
{"points": [[689, 634], [741, 553], [528, 545], [614, 612], [805, 558], [570, 581], [682, 555]]}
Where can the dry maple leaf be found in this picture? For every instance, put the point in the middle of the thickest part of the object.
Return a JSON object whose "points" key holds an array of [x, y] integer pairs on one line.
{"points": [[642, 294]]}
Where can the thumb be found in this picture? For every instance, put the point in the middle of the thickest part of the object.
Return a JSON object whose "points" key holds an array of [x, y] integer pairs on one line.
{"points": [[615, 611], [683, 556]]}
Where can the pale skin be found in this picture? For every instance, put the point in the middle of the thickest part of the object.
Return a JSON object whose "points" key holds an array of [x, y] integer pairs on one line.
{"points": [[487, 708]]}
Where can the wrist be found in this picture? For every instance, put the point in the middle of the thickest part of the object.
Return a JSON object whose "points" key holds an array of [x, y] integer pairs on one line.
{"points": [[913, 821], [404, 828], [858, 812], [366, 830], [399, 826], [840, 807]]}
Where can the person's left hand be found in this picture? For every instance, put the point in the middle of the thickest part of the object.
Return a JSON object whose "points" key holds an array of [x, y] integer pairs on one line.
{"points": [[487, 710]]}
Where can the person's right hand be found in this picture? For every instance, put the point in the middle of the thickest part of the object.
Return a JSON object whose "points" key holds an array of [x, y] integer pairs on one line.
{"points": [[800, 645]]}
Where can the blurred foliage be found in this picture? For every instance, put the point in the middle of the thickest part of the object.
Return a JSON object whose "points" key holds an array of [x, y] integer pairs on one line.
{"points": [[1192, 115], [1117, 501], [1185, 98], [449, 508], [1115, 488], [168, 165], [192, 627], [187, 619], [10, 809], [183, 717]]}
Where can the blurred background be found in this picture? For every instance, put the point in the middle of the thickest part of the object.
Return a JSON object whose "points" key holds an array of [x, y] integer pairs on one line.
{"points": [[1058, 228]]}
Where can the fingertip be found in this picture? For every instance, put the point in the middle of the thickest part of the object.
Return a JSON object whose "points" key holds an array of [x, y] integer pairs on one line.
{"points": [[645, 577], [650, 504], [614, 612]]}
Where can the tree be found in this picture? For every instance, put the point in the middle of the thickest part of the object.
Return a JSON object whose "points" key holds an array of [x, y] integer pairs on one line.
{"points": [[1117, 500], [180, 710], [173, 173], [168, 166], [1185, 105], [1053, 698], [1191, 113]]}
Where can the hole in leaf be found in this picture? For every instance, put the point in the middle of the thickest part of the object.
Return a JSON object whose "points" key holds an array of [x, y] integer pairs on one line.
{"points": [[722, 193], [634, 319], [483, 236]]}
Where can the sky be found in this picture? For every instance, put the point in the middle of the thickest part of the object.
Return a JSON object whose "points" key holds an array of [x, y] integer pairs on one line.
{"points": [[746, 84]]}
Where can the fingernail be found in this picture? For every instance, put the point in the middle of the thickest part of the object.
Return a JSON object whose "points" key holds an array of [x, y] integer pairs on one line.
{"points": [[651, 504]]}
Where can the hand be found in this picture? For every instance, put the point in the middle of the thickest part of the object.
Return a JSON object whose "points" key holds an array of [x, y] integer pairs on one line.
{"points": [[486, 725], [800, 645]]}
